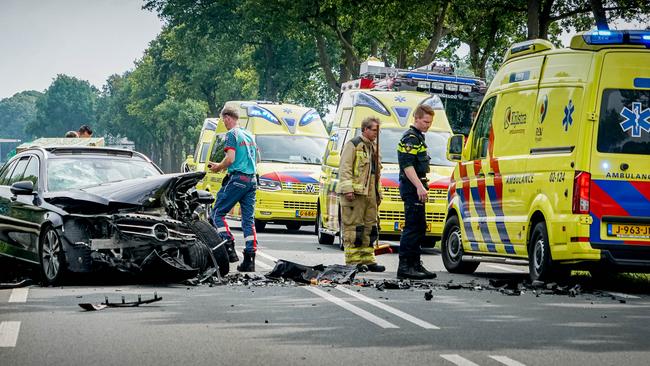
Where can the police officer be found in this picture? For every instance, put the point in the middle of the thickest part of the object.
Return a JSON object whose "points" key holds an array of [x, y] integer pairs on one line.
{"points": [[359, 189], [413, 168], [239, 186]]}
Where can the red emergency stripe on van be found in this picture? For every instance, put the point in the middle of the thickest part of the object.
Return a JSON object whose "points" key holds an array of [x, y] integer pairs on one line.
{"points": [[494, 164], [442, 183], [465, 181], [602, 204], [480, 182]]}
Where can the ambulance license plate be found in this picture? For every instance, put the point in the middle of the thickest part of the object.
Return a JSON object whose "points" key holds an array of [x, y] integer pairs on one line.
{"points": [[305, 213], [628, 231], [399, 226]]}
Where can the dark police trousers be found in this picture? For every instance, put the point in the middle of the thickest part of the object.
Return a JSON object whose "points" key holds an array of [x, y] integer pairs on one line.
{"points": [[415, 223]]}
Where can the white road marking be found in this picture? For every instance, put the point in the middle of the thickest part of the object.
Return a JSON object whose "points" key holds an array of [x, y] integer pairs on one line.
{"points": [[457, 360], [622, 295], [9, 333], [351, 308], [19, 294], [507, 269], [390, 309], [262, 265], [271, 258], [506, 361]]}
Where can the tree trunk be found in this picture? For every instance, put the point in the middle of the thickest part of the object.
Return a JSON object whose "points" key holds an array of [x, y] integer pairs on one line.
{"points": [[534, 8], [600, 16], [436, 35], [326, 66]]}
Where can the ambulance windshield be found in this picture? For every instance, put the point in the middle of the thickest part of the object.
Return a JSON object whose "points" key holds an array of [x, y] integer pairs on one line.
{"points": [[291, 149], [624, 126], [436, 143]]}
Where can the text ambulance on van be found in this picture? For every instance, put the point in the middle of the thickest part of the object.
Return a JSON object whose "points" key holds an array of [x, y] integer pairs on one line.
{"points": [[291, 140], [556, 170]]}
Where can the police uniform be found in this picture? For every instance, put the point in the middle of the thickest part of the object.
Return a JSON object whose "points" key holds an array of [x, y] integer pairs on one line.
{"points": [[359, 174], [412, 152]]}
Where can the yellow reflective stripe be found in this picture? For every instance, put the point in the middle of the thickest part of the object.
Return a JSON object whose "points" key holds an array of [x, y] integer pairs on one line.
{"points": [[401, 149]]}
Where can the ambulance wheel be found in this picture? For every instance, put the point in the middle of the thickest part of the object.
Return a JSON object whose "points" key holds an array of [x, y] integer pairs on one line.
{"points": [[323, 238], [293, 226], [259, 225], [452, 249], [540, 263]]}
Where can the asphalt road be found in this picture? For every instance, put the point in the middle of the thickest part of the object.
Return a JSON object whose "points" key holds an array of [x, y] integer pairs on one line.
{"points": [[318, 325]]}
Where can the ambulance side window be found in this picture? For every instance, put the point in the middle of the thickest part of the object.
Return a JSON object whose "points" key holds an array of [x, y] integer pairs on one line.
{"points": [[205, 149], [482, 130], [335, 143], [217, 148], [345, 117]]}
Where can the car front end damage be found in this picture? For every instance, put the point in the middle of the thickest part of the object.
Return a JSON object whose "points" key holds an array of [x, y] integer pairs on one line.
{"points": [[142, 227]]}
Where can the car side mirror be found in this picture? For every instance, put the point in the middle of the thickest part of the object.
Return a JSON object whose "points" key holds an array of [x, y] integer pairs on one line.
{"points": [[455, 148], [483, 144], [24, 187], [333, 159]]}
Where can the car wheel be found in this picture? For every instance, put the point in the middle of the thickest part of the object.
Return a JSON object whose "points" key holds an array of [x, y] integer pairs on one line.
{"points": [[260, 225], [198, 256], [293, 226], [209, 236], [323, 238], [51, 257], [540, 263], [452, 249]]}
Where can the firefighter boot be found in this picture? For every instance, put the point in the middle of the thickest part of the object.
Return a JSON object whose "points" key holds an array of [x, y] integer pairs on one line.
{"points": [[232, 253], [407, 269], [248, 264]]}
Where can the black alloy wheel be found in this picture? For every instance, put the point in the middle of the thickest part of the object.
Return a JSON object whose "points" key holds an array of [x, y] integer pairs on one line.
{"points": [[51, 257]]}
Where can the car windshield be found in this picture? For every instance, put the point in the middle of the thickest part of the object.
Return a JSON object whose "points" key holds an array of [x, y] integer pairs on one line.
{"points": [[436, 143], [291, 149], [79, 172]]}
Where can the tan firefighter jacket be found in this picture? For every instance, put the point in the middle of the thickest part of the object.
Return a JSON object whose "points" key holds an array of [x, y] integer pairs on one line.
{"points": [[355, 168]]}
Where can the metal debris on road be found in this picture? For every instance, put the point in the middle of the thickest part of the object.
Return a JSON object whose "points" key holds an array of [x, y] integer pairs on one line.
{"points": [[122, 304]]}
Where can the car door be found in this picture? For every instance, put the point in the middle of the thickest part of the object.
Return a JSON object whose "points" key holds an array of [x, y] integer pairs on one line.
{"points": [[19, 227], [473, 182]]}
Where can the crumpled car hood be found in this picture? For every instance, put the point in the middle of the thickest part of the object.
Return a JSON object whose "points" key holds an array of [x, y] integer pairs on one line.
{"points": [[145, 192]]}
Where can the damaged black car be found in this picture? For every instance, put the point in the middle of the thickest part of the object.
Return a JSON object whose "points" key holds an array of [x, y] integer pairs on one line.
{"points": [[89, 209]]}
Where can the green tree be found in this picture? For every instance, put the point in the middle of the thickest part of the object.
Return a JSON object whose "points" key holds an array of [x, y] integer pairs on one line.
{"points": [[67, 104], [16, 113]]}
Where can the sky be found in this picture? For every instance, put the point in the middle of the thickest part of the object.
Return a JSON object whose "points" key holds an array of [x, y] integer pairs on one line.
{"points": [[87, 39]]}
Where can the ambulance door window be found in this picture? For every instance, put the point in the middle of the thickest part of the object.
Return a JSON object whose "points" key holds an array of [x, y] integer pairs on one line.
{"points": [[345, 117], [218, 152], [481, 134], [205, 149]]}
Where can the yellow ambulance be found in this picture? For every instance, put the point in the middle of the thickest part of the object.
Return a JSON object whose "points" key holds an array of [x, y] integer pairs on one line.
{"points": [[395, 111], [555, 172], [291, 140]]}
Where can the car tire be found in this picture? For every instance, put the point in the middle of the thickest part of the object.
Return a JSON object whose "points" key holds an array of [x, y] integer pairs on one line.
{"points": [[452, 249], [540, 263], [323, 238], [51, 256], [260, 226], [198, 256], [209, 236], [293, 226]]}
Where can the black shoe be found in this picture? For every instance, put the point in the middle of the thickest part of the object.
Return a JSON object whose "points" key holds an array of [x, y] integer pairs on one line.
{"points": [[230, 249], [374, 267], [362, 268], [407, 270], [420, 268], [248, 264]]}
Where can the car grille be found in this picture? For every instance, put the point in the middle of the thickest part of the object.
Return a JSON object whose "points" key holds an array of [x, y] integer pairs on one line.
{"points": [[301, 188], [153, 227], [399, 216], [300, 205], [434, 195]]}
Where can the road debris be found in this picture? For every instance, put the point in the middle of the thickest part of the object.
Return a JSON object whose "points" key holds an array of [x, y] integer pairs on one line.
{"points": [[122, 304], [318, 274], [17, 284], [428, 295]]}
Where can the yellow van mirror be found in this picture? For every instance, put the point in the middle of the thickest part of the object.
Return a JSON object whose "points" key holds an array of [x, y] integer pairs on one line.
{"points": [[333, 159], [455, 147]]}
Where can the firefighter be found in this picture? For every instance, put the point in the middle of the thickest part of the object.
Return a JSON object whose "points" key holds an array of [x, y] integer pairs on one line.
{"points": [[360, 195], [413, 168]]}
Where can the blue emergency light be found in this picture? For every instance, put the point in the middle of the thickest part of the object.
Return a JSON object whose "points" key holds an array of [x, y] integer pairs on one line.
{"points": [[604, 37]]}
